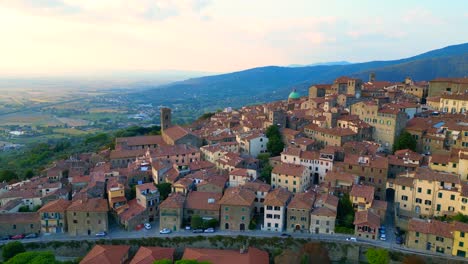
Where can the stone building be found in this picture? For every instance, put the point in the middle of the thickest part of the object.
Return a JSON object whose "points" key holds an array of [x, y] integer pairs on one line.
{"points": [[87, 217]]}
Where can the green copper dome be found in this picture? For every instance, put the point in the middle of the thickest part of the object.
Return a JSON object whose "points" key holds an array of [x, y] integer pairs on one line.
{"points": [[294, 95]]}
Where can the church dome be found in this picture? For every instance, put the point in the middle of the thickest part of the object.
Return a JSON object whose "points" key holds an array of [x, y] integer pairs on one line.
{"points": [[294, 95]]}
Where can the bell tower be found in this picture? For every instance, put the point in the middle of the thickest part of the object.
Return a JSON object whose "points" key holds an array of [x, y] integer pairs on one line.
{"points": [[166, 118]]}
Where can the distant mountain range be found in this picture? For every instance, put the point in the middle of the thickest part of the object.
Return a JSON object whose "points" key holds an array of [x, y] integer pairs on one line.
{"points": [[331, 63], [273, 82]]}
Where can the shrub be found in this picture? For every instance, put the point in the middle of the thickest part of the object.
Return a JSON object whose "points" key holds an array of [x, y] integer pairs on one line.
{"points": [[11, 249]]}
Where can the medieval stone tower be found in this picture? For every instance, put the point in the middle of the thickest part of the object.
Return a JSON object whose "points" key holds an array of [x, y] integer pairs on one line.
{"points": [[166, 118]]}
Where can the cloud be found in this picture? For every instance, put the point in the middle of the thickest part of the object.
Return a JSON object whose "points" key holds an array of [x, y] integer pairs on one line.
{"points": [[114, 10]]}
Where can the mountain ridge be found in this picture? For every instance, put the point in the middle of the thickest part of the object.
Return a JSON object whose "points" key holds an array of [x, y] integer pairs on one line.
{"points": [[271, 83]]}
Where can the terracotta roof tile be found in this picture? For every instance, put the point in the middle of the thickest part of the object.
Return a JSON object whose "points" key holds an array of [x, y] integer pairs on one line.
{"points": [[8, 218], [364, 191], [303, 200], [89, 205], [176, 132], [106, 254], [324, 211], [146, 186], [289, 169], [367, 218], [147, 255], [127, 153], [278, 197], [140, 140], [203, 201], [257, 186], [237, 196], [430, 227], [173, 150], [220, 256], [174, 200], [59, 205], [134, 209]]}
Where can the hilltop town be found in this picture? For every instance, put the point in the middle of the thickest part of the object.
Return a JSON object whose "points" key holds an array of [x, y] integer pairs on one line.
{"points": [[376, 160]]}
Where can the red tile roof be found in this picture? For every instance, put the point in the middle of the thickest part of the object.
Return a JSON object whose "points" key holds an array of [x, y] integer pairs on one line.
{"points": [[134, 209], [302, 201], [324, 211], [147, 255], [367, 218], [140, 140], [289, 169], [174, 200], [176, 132], [59, 205], [203, 201], [430, 227], [8, 218], [219, 256], [237, 196], [130, 154], [278, 197], [364, 191], [106, 254]]}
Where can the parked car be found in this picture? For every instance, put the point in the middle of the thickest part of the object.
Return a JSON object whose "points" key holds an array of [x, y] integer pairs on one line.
{"points": [[397, 231], [285, 235], [399, 240], [33, 235], [352, 239], [4, 238], [197, 231], [383, 237], [101, 234], [165, 231], [16, 237], [188, 228], [209, 230], [147, 226]]}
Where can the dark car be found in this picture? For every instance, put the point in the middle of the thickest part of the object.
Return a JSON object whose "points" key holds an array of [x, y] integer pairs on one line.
{"points": [[33, 235], [198, 231], [399, 240], [4, 238], [16, 237], [397, 231], [285, 235]]}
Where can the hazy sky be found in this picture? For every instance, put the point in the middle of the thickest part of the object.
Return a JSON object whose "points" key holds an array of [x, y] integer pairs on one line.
{"points": [[91, 36]]}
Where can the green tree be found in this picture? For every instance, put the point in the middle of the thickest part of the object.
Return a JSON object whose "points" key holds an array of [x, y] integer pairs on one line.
{"points": [[33, 257], [191, 261], [11, 249], [196, 222], [211, 223], [163, 261], [275, 144], [164, 189], [265, 174], [377, 256], [24, 209], [460, 218], [272, 130], [29, 174], [264, 159], [345, 213], [253, 224], [7, 175], [405, 141]]}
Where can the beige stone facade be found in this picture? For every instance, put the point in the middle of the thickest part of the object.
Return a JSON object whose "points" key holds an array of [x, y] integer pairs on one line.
{"points": [[87, 217]]}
